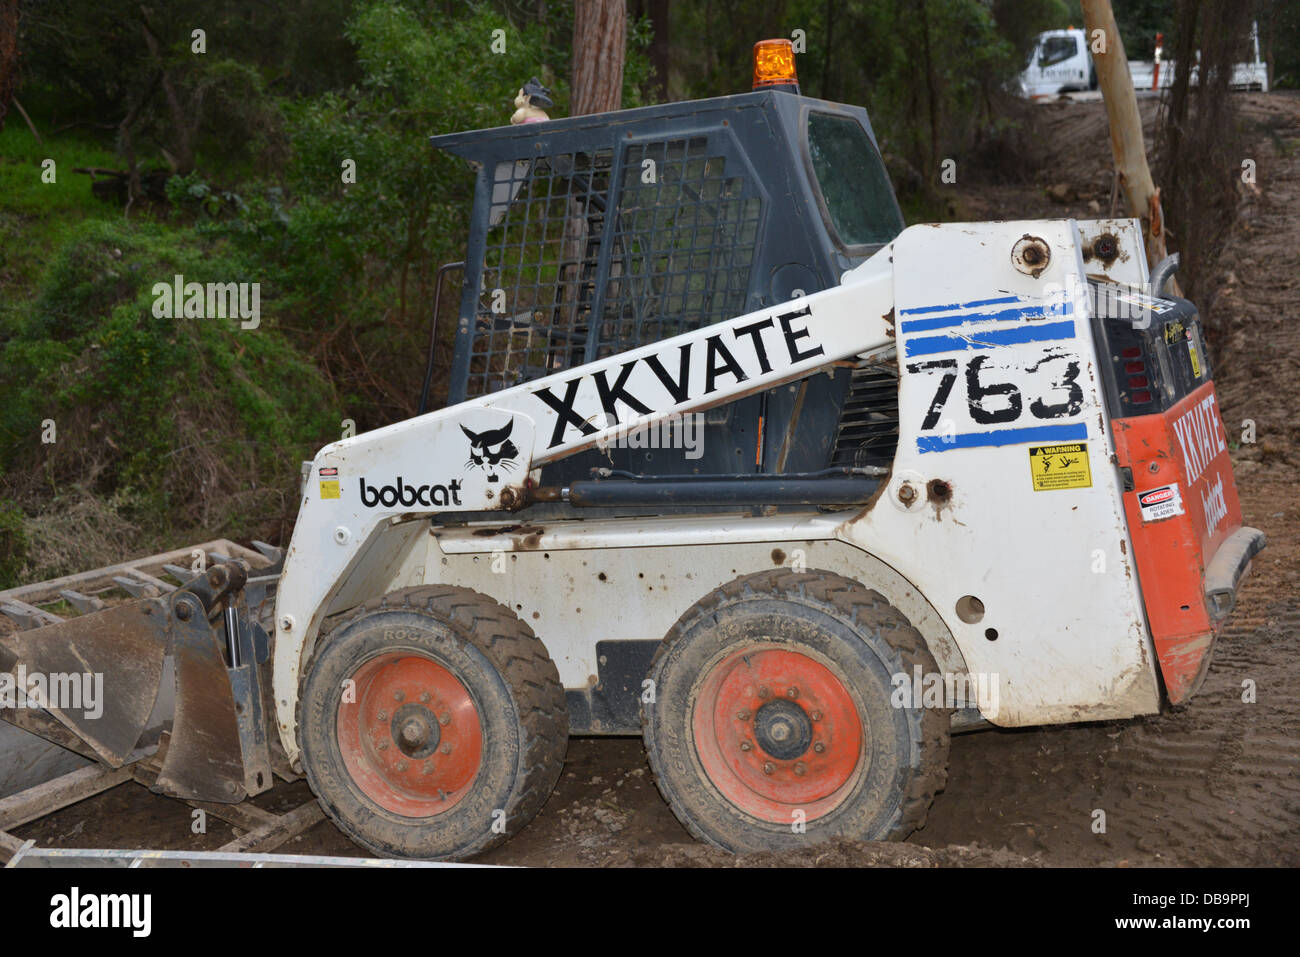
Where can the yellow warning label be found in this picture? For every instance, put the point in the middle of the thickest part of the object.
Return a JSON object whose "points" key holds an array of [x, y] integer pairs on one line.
{"points": [[329, 488], [1196, 360], [1060, 466]]}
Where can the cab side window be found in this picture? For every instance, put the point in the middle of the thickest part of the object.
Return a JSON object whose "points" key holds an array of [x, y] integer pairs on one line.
{"points": [[1056, 50], [852, 180]]}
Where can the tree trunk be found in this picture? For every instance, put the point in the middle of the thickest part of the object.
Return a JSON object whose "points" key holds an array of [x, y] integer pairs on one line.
{"points": [[184, 122], [931, 95], [1126, 139], [1179, 102], [828, 63], [660, 48], [8, 55], [599, 42], [1266, 42]]}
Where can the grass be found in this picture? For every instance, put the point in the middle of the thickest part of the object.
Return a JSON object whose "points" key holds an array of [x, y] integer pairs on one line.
{"points": [[21, 184], [37, 217]]}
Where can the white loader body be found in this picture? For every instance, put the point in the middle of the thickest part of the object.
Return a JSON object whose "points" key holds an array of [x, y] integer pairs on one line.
{"points": [[997, 368]]}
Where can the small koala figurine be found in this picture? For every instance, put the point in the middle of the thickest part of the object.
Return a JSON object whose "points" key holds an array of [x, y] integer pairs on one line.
{"points": [[532, 101]]}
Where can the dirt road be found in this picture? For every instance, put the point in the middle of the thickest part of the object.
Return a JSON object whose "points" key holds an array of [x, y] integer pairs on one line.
{"points": [[1215, 784]]}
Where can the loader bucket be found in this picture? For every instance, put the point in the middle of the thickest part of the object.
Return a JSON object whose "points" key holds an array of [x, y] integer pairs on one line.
{"points": [[175, 670], [119, 649]]}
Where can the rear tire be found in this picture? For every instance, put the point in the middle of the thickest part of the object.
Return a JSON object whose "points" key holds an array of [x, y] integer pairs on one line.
{"points": [[772, 725], [433, 724]]}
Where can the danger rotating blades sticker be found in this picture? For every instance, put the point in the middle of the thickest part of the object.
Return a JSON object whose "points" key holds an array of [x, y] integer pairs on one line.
{"points": [[1158, 503]]}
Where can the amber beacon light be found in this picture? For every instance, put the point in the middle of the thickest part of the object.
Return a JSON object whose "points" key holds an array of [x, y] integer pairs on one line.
{"points": [[774, 65]]}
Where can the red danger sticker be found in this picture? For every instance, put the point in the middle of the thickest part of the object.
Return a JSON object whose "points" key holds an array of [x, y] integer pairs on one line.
{"points": [[1160, 503]]}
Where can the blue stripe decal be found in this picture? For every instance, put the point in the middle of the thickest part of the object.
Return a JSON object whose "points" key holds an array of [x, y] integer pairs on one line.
{"points": [[961, 305], [1050, 311], [987, 340], [971, 440]]}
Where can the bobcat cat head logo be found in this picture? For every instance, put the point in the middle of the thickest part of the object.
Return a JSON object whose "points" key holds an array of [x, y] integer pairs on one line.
{"points": [[492, 450]]}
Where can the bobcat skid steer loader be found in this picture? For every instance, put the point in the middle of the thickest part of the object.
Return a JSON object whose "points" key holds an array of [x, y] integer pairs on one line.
{"points": [[731, 460]]}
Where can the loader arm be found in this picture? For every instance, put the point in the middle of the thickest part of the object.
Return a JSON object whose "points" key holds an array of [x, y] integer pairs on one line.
{"points": [[475, 456]]}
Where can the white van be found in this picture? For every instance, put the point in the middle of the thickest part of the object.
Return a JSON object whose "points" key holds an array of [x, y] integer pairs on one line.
{"points": [[1061, 63], [1058, 63]]}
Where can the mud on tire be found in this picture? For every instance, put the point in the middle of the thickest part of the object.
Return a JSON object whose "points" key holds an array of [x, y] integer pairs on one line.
{"points": [[456, 730], [772, 725]]}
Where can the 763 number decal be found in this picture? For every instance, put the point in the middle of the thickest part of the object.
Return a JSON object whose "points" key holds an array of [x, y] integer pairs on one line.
{"points": [[1001, 393]]}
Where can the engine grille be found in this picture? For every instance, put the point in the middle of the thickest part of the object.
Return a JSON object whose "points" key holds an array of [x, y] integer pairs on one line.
{"points": [[867, 433]]}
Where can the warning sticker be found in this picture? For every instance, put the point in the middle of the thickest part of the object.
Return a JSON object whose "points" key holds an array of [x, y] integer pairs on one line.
{"points": [[329, 483], [1060, 466], [1196, 360], [1158, 503], [1145, 302]]}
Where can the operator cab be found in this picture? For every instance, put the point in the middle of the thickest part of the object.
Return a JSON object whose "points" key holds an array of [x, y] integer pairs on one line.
{"points": [[593, 235]]}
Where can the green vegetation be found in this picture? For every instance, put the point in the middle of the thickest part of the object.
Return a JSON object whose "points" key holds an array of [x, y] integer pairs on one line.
{"points": [[35, 216], [292, 151], [177, 421]]}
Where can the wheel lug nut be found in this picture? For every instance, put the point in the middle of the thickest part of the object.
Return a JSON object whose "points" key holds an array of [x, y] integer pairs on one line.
{"points": [[793, 692], [383, 715], [383, 745], [444, 718], [816, 715], [424, 697], [800, 770], [399, 695], [769, 768], [445, 749], [763, 692], [745, 746], [743, 715], [819, 747], [402, 765], [427, 768]]}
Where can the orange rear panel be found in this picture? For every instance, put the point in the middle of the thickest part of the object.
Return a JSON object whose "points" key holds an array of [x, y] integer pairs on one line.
{"points": [[1184, 504]]}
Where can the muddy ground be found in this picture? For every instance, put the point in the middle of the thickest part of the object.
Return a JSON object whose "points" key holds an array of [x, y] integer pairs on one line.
{"points": [[1215, 784]]}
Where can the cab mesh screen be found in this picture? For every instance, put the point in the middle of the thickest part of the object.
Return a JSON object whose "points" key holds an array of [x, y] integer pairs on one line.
{"points": [[566, 280]]}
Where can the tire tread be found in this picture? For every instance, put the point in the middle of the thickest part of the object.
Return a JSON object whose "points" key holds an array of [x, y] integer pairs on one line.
{"points": [[865, 608], [525, 666]]}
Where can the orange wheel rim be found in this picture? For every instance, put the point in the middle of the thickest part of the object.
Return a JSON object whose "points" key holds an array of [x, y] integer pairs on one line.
{"points": [[778, 732], [409, 734]]}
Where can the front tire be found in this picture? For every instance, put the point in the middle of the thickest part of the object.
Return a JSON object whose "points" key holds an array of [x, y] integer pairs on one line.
{"points": [[433, 724], [772, 725]]}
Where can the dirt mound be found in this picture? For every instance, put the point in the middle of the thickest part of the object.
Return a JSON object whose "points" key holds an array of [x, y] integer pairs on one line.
{"points": [[1064, 169], [836, 854], [1253, 316], [1215, 784]]}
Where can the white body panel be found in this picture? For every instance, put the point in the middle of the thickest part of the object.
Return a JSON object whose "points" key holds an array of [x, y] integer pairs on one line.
{"points": [[583, 585], [1053, 568], [1072, 643]]}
